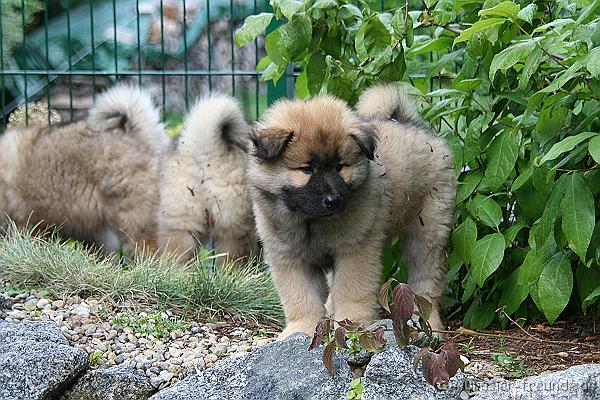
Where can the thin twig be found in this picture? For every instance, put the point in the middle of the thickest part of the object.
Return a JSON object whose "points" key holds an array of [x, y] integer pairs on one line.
{"points": [[469, 332], [503, 312]]}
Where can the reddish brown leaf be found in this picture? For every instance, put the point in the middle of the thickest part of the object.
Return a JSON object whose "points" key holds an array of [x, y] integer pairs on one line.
{"points": [[402, 339], [424, 307], [403, 300], [453, 361], [423, 353], [378, 334], [328, 357], [322, 329], [434, 370], [383, 294], [340, 337], [347, 324]]}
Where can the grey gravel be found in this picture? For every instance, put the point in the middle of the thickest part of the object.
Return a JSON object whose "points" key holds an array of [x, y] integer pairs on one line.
{"points": [[91, 327]]}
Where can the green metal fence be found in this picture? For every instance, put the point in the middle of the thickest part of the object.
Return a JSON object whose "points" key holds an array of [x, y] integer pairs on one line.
{"points": [[63, 52]]}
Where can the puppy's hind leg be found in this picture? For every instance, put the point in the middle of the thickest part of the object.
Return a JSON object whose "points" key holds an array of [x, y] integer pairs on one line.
{"points": [[424, 246]]}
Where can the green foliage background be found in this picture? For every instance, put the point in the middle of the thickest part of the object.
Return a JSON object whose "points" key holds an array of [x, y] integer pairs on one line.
{"points": [[517, 97]]}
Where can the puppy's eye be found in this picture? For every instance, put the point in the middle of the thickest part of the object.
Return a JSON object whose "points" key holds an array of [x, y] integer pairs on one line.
{"points": [[308, 170], [339, 167]]}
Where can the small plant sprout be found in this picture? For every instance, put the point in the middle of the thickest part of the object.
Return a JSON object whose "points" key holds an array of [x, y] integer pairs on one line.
{"points": [[356, 338], [439, 363], [514, 366], [356, 390]]}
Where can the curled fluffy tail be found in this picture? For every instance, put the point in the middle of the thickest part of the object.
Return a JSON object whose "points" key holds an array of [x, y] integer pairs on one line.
{"points": [[384, 102], [214, 121], [129, 108]]}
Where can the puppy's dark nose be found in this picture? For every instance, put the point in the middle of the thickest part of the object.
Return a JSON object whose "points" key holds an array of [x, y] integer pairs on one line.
{"points": [[332, 201]]}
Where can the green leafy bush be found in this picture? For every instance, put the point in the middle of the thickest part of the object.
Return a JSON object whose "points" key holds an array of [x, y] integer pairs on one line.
{"points": [[517, 97]]}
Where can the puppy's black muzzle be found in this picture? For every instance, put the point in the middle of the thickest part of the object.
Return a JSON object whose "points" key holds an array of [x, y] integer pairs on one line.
{"points": [[332, 201]]}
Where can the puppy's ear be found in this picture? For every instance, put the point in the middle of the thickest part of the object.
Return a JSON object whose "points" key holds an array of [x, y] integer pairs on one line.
{"points": [[366, 137], [269, 142]]}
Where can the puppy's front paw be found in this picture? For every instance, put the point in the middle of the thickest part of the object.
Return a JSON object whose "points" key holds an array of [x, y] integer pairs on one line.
{"points": [[307, 327]]}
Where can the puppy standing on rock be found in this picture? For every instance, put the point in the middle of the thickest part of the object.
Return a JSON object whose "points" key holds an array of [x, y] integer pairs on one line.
{"points": [[331, 186], [203, 194], [96, 179]]}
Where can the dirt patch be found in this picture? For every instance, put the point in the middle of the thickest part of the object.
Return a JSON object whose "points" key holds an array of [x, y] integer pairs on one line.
{"points": [[541, 347]]}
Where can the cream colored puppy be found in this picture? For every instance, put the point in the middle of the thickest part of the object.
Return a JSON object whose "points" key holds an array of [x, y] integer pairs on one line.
{"points": [[96, 179], [331, 186], [204, 199]]}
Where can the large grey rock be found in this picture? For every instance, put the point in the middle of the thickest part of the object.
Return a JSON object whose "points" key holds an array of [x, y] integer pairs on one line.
{"points": [[581, 382], [114, 383], [390, 376], [39, 331], [280, 370], [36, 361]]}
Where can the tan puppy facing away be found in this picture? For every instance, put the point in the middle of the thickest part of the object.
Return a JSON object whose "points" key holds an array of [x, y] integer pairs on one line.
{"points": [[203, 194], [331, 186], [97, 179]]}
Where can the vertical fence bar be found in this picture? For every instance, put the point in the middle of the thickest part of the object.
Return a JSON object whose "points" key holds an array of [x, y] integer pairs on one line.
{"points": [[256, 81], [232, 27], [115, 52], [185, 57], [93, 47], [208, 28], [162, 56], [49, 101], [70, 61], [24, 51], [139, 47], [2, 82], [275, 92]]}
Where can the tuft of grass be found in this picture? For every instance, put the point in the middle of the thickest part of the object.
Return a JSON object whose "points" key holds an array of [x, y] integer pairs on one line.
{"points": [[159, 324], [514, 366], [198, 288]]}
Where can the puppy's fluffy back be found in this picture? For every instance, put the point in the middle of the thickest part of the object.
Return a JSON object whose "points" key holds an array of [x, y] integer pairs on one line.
{"points": [[131, 109], [385, 102], [212, 123]]}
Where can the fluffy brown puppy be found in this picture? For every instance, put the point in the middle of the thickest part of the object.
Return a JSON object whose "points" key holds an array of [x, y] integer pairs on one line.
{"points": [[96, 179], [331, 186], [204, 199]]}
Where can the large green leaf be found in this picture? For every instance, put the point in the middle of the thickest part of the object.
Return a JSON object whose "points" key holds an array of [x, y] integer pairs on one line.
{"points": [[464, 237], [480, 314], [531, 65], [253, 26], [592, 62], [591, 299], [467, 183], [478, 26], [579, 215], [567, 144], [588, 280], [502, 156], [371, 39], [513, 294], [506, 9], [290, 7], [555, 286], [486, 256], [511, 55], [594, 148], [527, 13], [486, 210], [294, 37]]}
